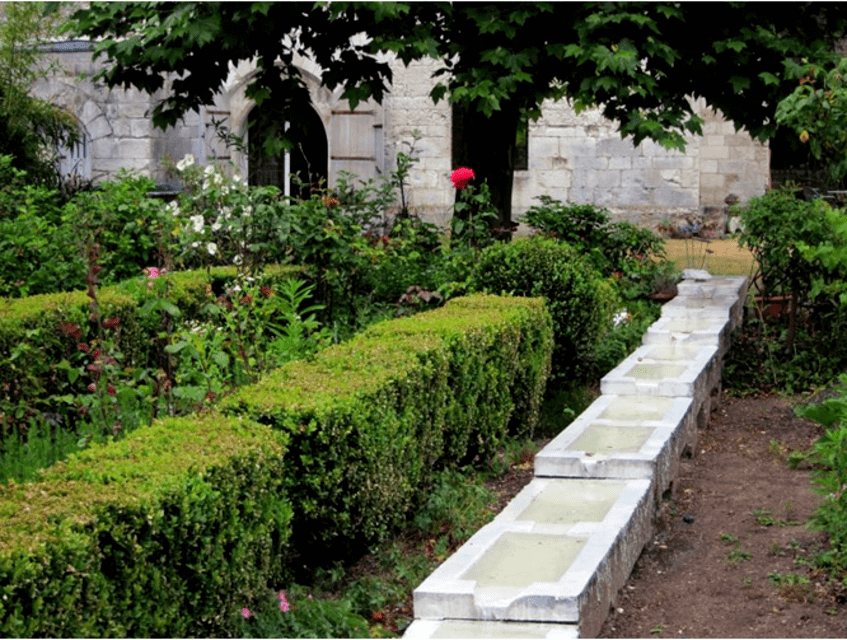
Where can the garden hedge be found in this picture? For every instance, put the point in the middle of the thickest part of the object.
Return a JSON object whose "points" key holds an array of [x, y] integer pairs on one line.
{"points": [[371, 420], [33, 343], [170, 531], [581, 302], [165, 533]]}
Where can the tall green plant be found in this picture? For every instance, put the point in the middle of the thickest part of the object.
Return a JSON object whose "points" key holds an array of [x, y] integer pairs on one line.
{"points": [[830, 474], [774, 225]]}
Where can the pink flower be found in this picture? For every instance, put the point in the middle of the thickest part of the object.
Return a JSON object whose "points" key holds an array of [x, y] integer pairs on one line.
{"points": [[245, 613], [283, 602], [92, 387], [461, 177], [152, 272]]}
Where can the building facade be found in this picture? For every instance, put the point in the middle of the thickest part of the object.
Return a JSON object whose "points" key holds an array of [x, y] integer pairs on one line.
{"points": [[579, 158]]}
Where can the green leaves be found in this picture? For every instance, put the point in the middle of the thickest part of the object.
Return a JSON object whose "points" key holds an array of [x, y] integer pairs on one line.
{"points": [[817, 112]]}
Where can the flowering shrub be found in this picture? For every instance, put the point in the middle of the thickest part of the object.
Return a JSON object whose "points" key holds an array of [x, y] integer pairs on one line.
{"points": [[219, 219], [303, 617]]}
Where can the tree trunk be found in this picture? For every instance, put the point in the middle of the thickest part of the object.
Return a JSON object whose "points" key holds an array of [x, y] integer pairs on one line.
{"points": [[487, 145]]}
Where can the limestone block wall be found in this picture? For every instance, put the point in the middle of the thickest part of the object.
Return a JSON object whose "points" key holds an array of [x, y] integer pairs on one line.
{"points": [[409, 108], [582, 158], [730, 162], [115, 122], [572, 157]]}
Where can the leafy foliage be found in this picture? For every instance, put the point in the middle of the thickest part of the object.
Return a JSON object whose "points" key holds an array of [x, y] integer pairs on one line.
{"points": [[830, 475], [817, 111], [31, 129], [580, 301], [639, 63], [610, 246]]}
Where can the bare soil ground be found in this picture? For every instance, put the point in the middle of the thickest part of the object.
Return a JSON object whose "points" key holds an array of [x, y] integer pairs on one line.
{"points": [[731, 552], [730, 556]]}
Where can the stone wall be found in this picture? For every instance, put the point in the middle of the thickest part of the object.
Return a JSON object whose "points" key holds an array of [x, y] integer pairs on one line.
{"points": [[408, 108], [579, 158]]}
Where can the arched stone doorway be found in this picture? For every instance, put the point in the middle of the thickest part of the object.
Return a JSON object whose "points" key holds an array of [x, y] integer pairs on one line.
{"points": [[308, 160]]}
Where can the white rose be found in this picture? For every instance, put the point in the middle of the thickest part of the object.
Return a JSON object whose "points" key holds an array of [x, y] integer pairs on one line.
{"points": [[212, 248], [197, 223], [187, 161], [216, 226]]}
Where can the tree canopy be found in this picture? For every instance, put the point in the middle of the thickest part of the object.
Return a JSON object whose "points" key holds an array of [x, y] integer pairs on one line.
{"points": [[641, 63]]}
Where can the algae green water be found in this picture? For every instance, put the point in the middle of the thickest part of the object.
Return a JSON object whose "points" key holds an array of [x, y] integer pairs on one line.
{"points": [[519, 559], [572, 501], [606, 440]]}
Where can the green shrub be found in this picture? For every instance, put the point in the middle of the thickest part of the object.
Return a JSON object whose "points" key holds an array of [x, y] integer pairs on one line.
{"points": [[46, 243], [774, 224], [610, 246], [37, 257], [165, 533], [580, 301], [128, 228], [43, 368], [370, 420], [829, 456], [792, 339], [37, 253]]}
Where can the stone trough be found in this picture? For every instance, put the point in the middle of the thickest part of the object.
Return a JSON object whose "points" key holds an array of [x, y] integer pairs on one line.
{"points": [[551, 563], [558, 552], [624, 438]]}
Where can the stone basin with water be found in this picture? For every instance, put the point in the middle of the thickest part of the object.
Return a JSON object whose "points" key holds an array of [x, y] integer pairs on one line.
{"points": [[539, 559], [421, 629], [664, 370], [689, 332], [623, 437]]}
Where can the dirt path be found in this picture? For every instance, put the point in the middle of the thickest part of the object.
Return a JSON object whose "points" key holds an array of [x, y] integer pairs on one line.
{"points": [[728, 557]]}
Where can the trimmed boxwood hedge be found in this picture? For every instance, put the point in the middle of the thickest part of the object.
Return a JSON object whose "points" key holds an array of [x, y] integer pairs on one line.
{"points": [[370, 420], [581, 302], [165, 533], [172, 530]]}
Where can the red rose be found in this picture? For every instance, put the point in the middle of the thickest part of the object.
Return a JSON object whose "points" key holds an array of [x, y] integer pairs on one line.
{"points": [[461, 177]]}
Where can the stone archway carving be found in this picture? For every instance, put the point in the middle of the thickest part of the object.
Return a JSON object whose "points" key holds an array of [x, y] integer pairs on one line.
{"points": [[354, 138]]}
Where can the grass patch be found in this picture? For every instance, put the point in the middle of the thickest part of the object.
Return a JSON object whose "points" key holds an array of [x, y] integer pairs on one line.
{"points": [[726, 259]]}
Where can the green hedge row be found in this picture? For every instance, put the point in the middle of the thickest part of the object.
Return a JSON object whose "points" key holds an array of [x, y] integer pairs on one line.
{"points": [[370, 420], [33, 343], [172, 530], [165, 533]]}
